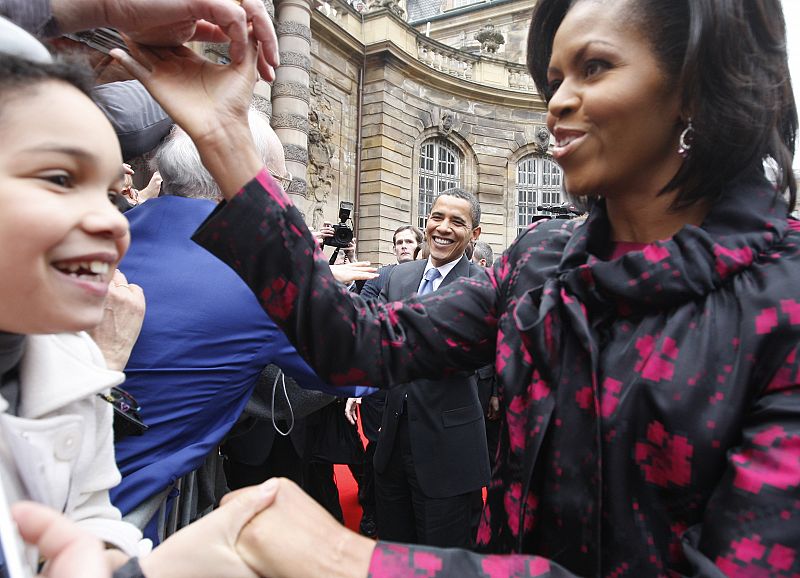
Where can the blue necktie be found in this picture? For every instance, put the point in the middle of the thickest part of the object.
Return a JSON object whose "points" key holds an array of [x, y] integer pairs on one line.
{"points": [[427, 285]]}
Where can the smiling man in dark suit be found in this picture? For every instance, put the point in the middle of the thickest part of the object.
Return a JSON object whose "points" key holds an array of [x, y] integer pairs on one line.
{"points": [[431, 460]]}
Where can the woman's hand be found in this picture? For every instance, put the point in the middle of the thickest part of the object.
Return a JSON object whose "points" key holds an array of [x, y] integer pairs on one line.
{"points": [[173, 22], [359, 271], [296, 537], [123, 315], [209, 101], [207, 547]]}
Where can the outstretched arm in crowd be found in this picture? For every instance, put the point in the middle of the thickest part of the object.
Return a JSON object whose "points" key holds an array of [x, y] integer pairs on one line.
{"points": [[345, 339], [204, 548], [156, 22], [296, 537]]}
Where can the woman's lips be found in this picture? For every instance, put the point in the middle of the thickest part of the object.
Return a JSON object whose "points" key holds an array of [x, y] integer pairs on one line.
{"points": [[566, 143]]}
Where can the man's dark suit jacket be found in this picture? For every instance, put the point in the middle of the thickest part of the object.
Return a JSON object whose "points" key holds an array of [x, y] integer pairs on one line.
{"points": [[372, 287], [445, 418], [372, 405]]}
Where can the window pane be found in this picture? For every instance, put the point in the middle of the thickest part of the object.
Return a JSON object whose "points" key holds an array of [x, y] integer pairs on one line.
{"points": [[538, 183], [440, 167]]}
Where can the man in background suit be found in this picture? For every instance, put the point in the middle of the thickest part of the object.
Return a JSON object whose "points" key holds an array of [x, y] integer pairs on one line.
{"points": [[407, 242], [431, 459]]}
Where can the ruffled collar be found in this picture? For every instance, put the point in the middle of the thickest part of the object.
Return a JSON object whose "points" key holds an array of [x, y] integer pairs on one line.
{"points": [[738, 231]]}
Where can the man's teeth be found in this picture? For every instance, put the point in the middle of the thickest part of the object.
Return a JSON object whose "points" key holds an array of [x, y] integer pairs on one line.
{"points": [[440, 241]]}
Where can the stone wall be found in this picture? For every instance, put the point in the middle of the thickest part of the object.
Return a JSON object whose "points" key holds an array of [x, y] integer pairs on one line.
{"points": [[402, 109], [403, 103]]}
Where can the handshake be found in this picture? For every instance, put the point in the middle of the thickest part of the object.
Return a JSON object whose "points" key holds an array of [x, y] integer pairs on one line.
{"points": [[273, 529]]}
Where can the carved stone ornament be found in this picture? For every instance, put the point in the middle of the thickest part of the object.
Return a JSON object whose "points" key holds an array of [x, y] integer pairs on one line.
{"points": [[295, 59], [291, 28], [289, 120], [268, 4], [321, 150], [262, 104], [446, 122], [297, 186], [542, 140], [390, 5], [490, 38], [295, 153], [295, 89]]}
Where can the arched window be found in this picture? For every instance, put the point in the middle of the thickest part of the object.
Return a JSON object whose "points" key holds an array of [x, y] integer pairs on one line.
{"points": [[538, 183], [439, 170]]}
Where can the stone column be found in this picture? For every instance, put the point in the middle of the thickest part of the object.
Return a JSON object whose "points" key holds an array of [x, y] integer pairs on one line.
{"points": [[290, 91], [262, 95]]}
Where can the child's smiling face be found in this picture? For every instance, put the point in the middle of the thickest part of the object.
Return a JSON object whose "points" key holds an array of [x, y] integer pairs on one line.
{"points": [[60, 236]]}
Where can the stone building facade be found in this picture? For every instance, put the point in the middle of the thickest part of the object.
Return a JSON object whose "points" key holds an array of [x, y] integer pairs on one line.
{"points": [[401, 108], [384, 103]]}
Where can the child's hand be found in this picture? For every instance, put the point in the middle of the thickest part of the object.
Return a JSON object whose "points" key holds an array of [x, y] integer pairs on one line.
{"points": [[69, 550]]}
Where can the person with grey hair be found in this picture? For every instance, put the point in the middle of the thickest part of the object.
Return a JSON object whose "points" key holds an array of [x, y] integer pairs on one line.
{"points": [[482, 254], [183, 173], [204, 341]]}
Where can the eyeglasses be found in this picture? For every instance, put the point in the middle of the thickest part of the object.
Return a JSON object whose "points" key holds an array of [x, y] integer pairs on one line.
{"points": [[283, 181], [127, 420]]}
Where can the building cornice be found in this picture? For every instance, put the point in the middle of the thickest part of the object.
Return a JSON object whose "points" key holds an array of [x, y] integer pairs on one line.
{"points": [[412, 67]]}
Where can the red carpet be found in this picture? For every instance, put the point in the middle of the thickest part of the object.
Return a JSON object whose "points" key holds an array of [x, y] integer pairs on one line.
{"points": [[348, 491], [348, 496]]}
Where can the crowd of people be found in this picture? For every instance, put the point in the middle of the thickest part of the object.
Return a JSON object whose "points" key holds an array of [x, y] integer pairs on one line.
{"points": [[625, 387]]}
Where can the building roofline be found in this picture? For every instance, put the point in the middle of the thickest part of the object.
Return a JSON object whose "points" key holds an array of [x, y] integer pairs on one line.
{"points": [[459, 11]]}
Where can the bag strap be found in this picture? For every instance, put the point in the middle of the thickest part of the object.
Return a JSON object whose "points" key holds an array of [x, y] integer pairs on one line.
{"points": [[289, 403]]}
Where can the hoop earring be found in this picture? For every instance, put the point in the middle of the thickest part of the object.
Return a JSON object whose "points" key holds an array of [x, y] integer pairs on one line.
{"points": [[685, 140]]}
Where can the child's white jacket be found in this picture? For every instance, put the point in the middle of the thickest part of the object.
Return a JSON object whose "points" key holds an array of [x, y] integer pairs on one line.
{"points": [[59, 450]]}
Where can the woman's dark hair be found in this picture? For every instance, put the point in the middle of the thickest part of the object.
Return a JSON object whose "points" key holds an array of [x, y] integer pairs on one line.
{"points": [[729, 58], [20, 75]]}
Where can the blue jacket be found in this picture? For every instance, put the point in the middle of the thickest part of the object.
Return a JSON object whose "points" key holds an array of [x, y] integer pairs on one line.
{"points": [[204, 341]]}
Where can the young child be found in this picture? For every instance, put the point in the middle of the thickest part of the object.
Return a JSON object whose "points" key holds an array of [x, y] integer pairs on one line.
{"points": [[60, 241]]}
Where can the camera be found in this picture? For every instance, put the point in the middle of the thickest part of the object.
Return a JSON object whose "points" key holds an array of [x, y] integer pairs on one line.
{"points": [[342, 234]]}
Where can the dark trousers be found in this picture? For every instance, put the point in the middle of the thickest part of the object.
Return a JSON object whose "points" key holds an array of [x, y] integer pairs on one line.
{"points": [[406, 514], [319, 482], [366, 486], [283, 461]]}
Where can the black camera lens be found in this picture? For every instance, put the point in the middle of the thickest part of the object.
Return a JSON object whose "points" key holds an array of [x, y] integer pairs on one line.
{"points": [[342, 236]]}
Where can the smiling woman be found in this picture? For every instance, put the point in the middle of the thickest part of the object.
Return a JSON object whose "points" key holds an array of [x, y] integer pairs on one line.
{"points": [[647, 358]]}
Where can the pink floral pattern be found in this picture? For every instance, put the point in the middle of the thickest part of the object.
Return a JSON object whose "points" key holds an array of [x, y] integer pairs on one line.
{"points": [[652, 401]]}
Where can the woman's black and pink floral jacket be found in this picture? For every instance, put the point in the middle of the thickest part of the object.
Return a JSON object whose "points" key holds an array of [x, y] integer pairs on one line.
{"points": [[652, 402]]}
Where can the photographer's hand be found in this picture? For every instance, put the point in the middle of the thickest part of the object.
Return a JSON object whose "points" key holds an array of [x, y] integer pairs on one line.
{"points": [[350, 251], [326, 232]]}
